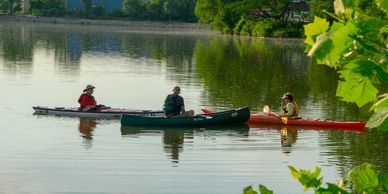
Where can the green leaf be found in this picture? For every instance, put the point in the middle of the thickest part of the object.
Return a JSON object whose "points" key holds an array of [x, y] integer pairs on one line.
{"points": [[383, 181], [384, 29], [364, 177], [382, 4], [331, 189], [379, 120], [264, 190], [356, 88], [314, 29], [362, 67], [249, 190], [323, 42], [365, 44], [382, 103], [307, 178], [342, 40]]}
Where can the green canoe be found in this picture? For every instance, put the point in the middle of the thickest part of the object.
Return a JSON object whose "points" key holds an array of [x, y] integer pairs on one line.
{"points": [[240, 115]]}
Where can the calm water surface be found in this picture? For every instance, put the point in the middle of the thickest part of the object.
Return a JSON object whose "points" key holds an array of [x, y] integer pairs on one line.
{"points": [[49, 66]]}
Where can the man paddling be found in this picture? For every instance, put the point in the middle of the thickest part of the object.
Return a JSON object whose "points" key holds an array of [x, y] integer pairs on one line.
{"points": [[87, 101], [174, 105]]}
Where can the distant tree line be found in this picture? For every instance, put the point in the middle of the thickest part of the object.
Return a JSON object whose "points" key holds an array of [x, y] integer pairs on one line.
{"points": [[156, 10], [242, 17]]}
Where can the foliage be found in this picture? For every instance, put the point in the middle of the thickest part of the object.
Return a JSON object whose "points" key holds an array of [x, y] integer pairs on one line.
{"points": [[88, 7], [134, 8], [10, 6], [355, 43], [319, 7], [171, 10], [246, 17], [361, 179], [47, 7]]}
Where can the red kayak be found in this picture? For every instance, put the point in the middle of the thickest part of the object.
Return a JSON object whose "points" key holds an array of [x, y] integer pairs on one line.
{"points": [[271, 120]]}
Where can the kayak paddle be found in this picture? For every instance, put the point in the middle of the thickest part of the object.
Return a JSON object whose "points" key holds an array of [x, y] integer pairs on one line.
{"points": [[266, 110]]}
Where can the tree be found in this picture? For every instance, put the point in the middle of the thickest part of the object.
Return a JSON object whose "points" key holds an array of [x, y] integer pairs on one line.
{"points": [[225, 14], [319, 7], [88, 7], [135, 8], [355, 44], [10, 6], [47, 7]]}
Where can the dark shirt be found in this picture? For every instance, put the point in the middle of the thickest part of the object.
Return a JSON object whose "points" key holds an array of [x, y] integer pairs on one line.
{"points": [[173, 105]]}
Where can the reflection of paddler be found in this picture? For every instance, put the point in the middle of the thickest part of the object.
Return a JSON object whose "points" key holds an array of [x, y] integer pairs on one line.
{"points": [[287, 138], [173, 142], [86, 127]]}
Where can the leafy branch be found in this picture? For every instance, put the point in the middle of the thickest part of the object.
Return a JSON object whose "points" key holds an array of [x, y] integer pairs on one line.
{"points": [[355, 43]]}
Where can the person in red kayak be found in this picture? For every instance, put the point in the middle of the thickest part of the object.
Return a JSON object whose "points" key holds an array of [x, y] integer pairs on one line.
{"points": [[289, 106], [87, 101], [174, 105]]}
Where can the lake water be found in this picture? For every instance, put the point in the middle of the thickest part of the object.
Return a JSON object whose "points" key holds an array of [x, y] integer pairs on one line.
{"points": [[51, 65]]}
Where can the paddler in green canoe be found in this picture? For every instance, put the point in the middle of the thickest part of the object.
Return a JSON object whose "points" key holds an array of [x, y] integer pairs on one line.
{"points": [[289, 108], [174, 105]]}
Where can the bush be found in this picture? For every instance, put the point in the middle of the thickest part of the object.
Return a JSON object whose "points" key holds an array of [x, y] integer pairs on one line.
{"points": [[266, 27], [244, 26], [247, 28], [277, 28]]}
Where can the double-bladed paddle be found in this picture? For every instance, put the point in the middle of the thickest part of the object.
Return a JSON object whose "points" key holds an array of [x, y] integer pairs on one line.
{"points": [[266, 110]]}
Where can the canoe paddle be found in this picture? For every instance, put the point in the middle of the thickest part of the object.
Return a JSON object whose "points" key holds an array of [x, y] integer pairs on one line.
{"points": [[266, 110]]}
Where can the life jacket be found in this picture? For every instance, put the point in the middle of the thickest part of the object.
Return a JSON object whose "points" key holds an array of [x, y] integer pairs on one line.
{"points": [[86, 100], [296, 109], [295, 112]]}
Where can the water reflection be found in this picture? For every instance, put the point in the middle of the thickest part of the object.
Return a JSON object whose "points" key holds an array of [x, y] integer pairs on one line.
{"points": [[289, 135], [174, 138], [287, 138], [255, 72], [16, 49], [86, 127]]}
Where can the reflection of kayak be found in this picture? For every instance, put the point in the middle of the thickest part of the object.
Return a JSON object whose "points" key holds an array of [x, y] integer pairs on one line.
{"points": [[271, 120], [240, 115], [295, 127], [106, 113]]}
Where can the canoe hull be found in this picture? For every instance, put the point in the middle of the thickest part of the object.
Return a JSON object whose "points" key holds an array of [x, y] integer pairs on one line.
{"points": [[240, 115], [109, 113], [266, 119]]}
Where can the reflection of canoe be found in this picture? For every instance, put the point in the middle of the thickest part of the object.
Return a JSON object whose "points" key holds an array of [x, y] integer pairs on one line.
{"points": [[238, 128], [240, 115], [271, 120], [107, 113]]}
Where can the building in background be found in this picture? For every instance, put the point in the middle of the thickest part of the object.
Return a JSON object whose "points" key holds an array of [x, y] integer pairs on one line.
{"points": [[109, 5]]}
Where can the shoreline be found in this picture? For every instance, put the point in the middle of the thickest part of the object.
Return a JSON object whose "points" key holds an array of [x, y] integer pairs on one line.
{"points": [[176, 26]]}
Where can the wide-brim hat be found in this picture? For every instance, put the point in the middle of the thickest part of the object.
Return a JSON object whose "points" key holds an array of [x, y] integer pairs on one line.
{"points": [[89, 87]]}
